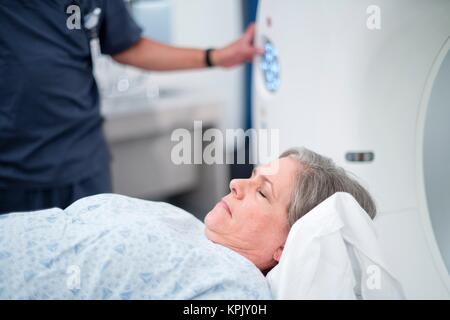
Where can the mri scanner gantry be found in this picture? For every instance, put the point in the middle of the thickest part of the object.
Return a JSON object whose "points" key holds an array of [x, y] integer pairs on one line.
{"points": [[377, 101]]}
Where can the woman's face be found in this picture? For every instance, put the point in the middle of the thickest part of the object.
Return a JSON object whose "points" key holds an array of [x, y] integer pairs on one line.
{"points": [[253, 218]]}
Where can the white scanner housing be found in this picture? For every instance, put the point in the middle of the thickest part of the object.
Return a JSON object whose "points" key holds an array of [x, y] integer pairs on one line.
{"points": [[374, 95]]}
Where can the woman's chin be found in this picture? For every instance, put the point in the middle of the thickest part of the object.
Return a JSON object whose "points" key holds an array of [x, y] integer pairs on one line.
{"points": [[209, 235], [211, 219], [216, 220]]}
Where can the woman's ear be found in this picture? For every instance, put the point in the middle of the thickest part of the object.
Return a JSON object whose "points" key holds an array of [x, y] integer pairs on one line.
{"points": [[278, 253]]}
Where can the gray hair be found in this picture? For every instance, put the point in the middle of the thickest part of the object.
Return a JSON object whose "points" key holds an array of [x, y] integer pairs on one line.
{"points": [[319, 178]]}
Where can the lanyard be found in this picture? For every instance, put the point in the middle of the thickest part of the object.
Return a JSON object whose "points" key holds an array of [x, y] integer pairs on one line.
{"points": [[90, 24]]}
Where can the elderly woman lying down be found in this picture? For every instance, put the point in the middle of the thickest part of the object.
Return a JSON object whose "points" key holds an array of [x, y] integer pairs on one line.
{"points": [[115, 247]]}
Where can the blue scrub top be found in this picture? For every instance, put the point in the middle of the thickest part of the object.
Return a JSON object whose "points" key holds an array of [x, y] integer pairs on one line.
{"points": [[50, 122]]}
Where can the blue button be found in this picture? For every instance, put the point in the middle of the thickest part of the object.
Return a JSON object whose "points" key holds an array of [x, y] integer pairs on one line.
{"points": [[270, 67]]}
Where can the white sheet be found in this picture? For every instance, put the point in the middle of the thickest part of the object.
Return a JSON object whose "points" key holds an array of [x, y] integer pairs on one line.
{"points": [[115, 247]]}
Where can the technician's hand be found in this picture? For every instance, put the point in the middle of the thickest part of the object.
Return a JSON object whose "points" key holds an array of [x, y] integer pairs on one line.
{"points": [[237, 52]]}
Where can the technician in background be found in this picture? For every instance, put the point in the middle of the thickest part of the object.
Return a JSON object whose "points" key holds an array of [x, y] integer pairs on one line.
{"points": [[52, 148]]}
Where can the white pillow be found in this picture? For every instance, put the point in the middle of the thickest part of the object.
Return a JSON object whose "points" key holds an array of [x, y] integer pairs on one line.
{"points": [[333, 253]]}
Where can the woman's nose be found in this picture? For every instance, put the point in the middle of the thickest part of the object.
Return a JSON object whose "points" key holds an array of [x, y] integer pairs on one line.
{"points": [[236, 188]]}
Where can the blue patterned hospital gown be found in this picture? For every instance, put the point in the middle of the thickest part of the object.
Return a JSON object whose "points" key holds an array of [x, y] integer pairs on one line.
{"points": [[115, 247]]}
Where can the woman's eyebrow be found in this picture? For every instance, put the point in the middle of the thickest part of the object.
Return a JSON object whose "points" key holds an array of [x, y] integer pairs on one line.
{"points": [[272, 187]]}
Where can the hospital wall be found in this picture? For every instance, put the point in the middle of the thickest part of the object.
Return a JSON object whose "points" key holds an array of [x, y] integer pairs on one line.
{"points": [[203, 24]]}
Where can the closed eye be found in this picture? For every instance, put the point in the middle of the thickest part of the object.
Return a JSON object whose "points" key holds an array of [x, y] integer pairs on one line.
{"points": [[262, 194]]}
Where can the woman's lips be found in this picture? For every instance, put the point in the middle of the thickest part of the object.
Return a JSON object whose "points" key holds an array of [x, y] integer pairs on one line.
{"points": [[223, 204]]}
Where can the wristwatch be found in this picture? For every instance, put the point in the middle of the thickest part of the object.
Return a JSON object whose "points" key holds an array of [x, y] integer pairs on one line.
{"points": [[208, 60]]}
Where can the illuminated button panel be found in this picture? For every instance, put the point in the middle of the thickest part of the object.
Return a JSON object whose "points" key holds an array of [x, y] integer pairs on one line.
{"points": [[270, 67]]}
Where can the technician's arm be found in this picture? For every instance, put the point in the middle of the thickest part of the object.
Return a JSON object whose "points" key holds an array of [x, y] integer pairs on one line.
{"points": [[151, 55]]}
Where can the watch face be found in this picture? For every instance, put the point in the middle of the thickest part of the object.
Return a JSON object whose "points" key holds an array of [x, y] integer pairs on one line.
{"points": [[270, 67]]}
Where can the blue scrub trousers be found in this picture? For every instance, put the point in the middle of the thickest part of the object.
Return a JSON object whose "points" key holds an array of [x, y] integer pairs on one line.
{"points": [[22, 199]]}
